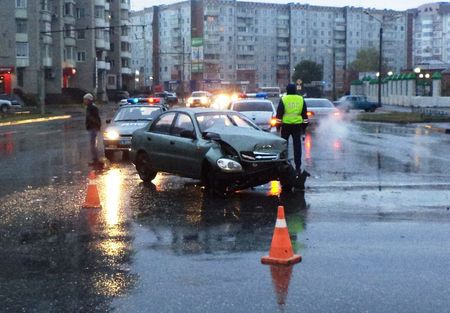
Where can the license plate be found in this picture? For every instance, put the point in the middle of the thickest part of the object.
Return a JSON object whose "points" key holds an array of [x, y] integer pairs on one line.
{"points": [[125, 142]]}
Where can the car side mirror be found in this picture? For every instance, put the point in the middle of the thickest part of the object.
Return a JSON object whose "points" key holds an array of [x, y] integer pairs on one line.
{"points": [[187, 134], [108, 121], [211, 136]]}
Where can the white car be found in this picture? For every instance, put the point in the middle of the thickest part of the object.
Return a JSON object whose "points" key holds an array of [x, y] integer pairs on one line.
{"points": [[199, 99], [260, 111], [320, 109]]}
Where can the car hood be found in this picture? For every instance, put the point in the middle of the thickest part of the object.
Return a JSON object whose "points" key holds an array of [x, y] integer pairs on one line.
{"points": [[127, 127], [245, 139]]}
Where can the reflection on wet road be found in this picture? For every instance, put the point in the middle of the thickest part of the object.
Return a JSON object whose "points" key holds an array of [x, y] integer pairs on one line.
{"points": [[375, 212]]}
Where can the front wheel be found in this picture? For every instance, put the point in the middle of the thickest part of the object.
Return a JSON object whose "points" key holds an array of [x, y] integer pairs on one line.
{"points": [[288, 179], [213, 186], [4, 108], [143, 167], [109, 154]]}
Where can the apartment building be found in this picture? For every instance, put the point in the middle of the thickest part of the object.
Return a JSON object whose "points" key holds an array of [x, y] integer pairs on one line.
{"points": [[431, 35], [142, 48], [49, 45], [251, 44]]}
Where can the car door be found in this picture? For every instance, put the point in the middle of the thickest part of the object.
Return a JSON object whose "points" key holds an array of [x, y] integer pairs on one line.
{"points": [[186, 155], [158, 142]]}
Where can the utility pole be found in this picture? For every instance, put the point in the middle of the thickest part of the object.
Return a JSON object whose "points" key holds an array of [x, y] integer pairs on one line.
{"points": [[182, 74]]}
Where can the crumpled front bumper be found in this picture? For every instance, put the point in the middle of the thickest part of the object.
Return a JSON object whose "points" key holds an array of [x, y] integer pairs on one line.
{"points": [[255, 174]]}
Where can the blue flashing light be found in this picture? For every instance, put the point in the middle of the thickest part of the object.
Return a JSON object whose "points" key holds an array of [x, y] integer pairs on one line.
{"points": [[261, 95], [133, 100]]}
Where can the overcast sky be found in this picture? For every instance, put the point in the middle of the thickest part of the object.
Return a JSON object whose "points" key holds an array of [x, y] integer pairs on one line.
{"points": [[393, 4]]}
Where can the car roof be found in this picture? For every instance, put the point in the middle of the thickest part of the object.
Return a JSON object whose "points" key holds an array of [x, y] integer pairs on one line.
{"points": [[252, 100], [199, 110]]}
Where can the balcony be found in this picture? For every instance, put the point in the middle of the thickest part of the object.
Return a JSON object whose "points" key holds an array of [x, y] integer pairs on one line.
{"points": [[100, 22], [100, 3], [21, 13], [47, 39], [124, 5], [125, 54], [103, 65], [339, 28], [212, 12], [70, 41], [125, 70], [46, 16], [101, 44], [22, 62], [282, 44], [47, 62], [125, 38], [21, 37], [281, 33]]}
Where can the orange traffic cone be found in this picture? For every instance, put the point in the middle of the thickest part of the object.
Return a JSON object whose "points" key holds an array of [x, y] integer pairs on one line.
{"points": [[281, 248], [92, 198]]}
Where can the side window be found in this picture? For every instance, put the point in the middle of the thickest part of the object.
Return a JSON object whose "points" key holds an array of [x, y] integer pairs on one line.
{"points": [[183, 122], [163, 124]]}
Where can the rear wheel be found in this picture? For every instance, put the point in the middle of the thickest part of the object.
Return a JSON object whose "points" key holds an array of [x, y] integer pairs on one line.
{"points": [[143, 167]]}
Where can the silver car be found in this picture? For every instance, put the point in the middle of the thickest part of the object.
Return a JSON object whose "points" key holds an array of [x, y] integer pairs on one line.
{"points": [[259, 111], [117, 135]]}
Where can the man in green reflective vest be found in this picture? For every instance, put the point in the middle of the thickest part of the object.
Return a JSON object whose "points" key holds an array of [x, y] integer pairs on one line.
{"points": [[292, 113]]}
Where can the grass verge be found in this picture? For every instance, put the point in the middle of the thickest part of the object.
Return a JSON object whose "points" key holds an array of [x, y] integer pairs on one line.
{"points": [[402, 117]]}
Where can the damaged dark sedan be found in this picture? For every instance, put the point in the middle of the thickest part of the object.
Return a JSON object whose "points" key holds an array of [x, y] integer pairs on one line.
{"points": [[223, 149]]}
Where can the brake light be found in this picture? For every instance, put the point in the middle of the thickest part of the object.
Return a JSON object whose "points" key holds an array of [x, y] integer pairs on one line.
{"points": [[337, 114], [310, 114], [153, 100]]}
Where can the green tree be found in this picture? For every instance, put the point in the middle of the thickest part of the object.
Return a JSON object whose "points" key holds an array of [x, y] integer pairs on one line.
{"points": [[366, 61], [307, 71]]}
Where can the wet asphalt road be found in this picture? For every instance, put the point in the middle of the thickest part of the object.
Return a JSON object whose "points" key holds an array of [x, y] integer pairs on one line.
{"points": [[372, 228]]}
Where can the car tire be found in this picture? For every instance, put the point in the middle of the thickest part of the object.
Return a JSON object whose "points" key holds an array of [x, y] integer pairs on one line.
{"points": [[213, 186], [288, 180], [109, 154], [125, 155], [4, 108], [143, 167]]}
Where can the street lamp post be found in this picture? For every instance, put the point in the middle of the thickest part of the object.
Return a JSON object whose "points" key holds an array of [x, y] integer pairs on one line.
{"points": [[380, 64], [380, 60]]}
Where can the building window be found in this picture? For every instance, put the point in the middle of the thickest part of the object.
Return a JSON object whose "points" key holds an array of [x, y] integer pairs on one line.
{"points": [[22, 49], [44, 5], [21, 4], [81, 56], [99, 12], [80, 12], [21, 26], [68, 9]]}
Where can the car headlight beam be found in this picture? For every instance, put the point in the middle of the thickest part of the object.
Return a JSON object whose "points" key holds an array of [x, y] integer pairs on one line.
{"points": [[228, 165], [111, 135]]}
